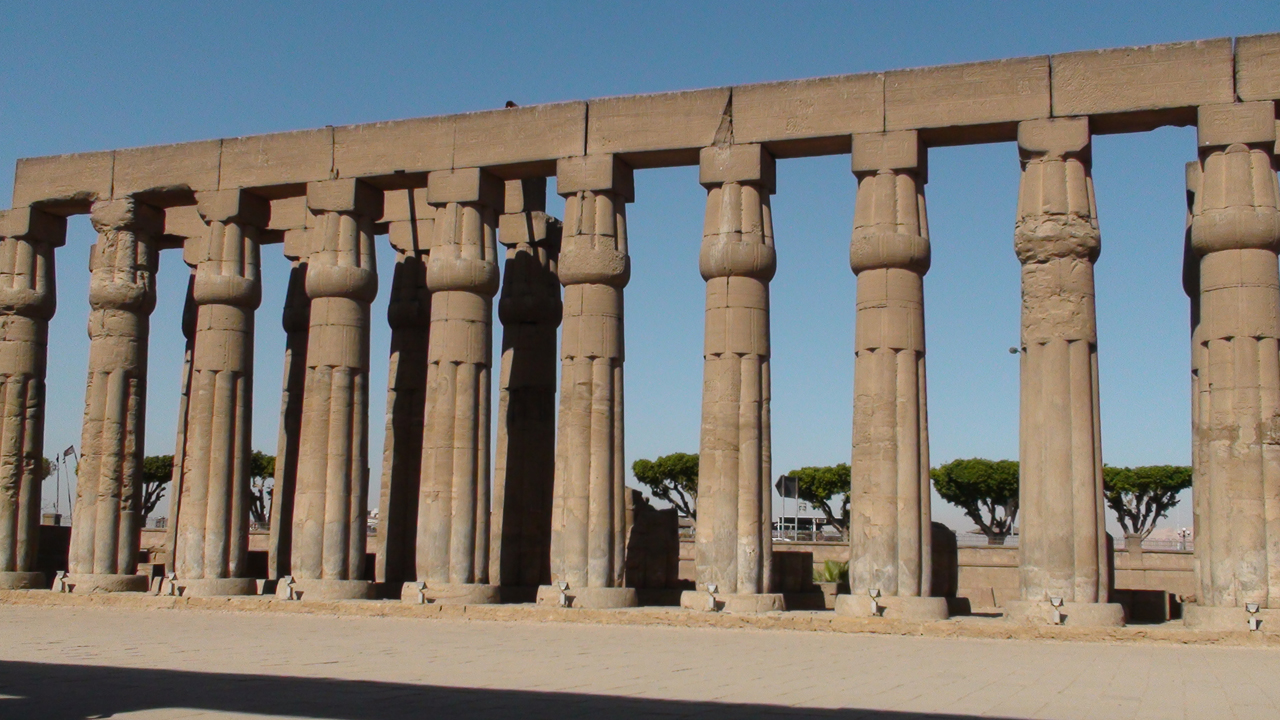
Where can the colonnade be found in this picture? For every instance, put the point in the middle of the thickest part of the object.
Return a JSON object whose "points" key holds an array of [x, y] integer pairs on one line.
{"points": [[548, 520]]}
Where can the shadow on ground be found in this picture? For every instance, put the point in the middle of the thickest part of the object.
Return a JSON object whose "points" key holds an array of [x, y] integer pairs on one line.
{"points": [[63, 692]]}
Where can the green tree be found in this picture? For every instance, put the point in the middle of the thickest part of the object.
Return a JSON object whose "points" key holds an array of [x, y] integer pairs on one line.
{"points": [[1141, 496], [262, 474], [673, 478], [818, 485], [157, 471], [987, 491]]}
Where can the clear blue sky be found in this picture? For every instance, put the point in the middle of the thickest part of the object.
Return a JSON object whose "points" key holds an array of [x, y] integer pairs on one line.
{"points": [[79, 77]]}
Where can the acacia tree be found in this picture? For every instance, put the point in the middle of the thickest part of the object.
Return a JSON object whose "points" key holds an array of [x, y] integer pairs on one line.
{"points": [[262, 473], [673, 478], [818, 485], [1141, 496], [157, 471], [987, 491]]}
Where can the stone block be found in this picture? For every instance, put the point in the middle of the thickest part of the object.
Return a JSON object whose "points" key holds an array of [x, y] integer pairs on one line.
{"points": [[1258, 67], [985, 93], [1250, 122], [34, 225], [277, 159], [163, 169], [403, 205], [520, 135], [1054, 136], [901, 150], [408, 146], [595, 173], [737, 163], [817, 116], [184, 223], [526, 195], [68, 184], [466, 185], [289, 213], [1154, 77], [679, 121], [239, 205], [347, 195]]}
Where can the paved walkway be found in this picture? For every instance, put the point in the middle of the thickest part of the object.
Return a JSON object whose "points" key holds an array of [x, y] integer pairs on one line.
{"points": [[60, 663]]}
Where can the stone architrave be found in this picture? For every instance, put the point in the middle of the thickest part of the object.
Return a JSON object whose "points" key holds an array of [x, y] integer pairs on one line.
{"points": [[733, 543], [530, 310], [211, 551], [108, 519], [1235, 233], [588, 530], [890, 566], [329, 514], [462, 275], [296, 320], [27, 302], [410, 223], [1062, 548]]}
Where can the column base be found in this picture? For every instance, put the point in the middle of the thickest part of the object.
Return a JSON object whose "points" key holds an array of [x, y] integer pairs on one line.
{"points": [[1040, 612], [1204, 617], [22, 581], [737, 603], [450, 594], [83, 584], [590, 598], [329, 589], [918, 609], [215, 587]]}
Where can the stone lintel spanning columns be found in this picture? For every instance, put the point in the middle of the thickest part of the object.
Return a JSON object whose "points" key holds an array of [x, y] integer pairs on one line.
{"points": [[329, 535], [530, 310], [1235, 234], [890, 531], [122, 294], [410, 225], [211, 509], [1063, 546], [588, 531], [27, 302], [733, 546], [462, 276]]}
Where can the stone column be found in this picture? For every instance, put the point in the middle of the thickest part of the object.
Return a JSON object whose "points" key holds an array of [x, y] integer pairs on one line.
{"points": [[524, 470], [108, 520], [329, 514], [588, 530], [211, 551], [411, 223], [1235, 232], [734, 541], [296, 319], [1063, 542], [462, 275], [1199, 386], [890, 533], [189, 312], [27, 302]]}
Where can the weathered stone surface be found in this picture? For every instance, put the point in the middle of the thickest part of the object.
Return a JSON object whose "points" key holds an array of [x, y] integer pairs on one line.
{"points": [[998, 92], [1143, 78], [65, 183], [278, 159], [161, 170], [679, 121], [799, 117], [1250, 122], [409, 146], [519, 135], [1258, 67]]}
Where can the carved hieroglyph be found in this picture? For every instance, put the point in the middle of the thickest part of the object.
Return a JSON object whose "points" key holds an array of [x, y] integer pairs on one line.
{"points": [[212, 517], [1235, 232], [122, 294], [588, 521], [462, 275], [733, 546], [329, 533], [27, 302], [1063, 546], [524, 466], [889, 506]]}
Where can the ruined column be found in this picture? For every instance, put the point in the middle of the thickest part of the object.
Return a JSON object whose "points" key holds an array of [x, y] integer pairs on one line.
{"points": [[296, 320], [453, 506], [329, 514], [524, 467], [211, 551], [1235, 233], [27, 302], [411, 223], [588, 530], [1199, 386], [107, 524], [1063, 542], [734, 540], [889, 503]]}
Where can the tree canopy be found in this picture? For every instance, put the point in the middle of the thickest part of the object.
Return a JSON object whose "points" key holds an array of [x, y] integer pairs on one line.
{"points": [[157, 471], [673, 478], [1141, 496], [986, 490], [818, 485]]}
